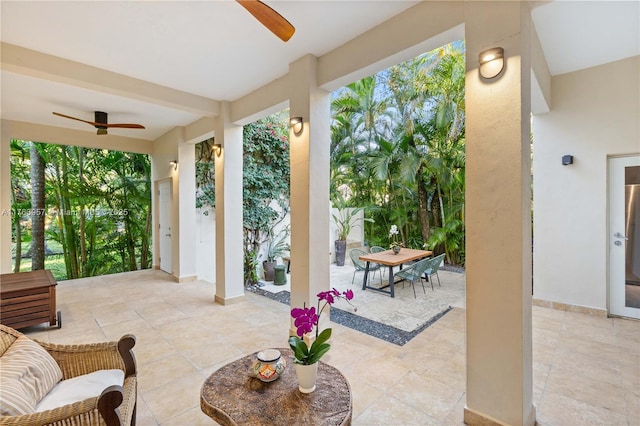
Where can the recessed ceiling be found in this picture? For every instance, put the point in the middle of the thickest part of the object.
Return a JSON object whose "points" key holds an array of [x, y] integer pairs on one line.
{"points": [[216, 50], [581, 34], [210, 48]]}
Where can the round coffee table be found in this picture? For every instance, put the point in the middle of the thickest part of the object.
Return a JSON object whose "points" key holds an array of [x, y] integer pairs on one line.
{"points": [[232, 396]]}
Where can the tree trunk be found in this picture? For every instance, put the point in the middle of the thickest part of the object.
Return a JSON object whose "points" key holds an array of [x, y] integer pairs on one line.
{"points": [[436, 206], [83, 238], [144, 257], [37, 208], [146, 236], [131, 247], [16, 268], [128, 227], [423, 210]]}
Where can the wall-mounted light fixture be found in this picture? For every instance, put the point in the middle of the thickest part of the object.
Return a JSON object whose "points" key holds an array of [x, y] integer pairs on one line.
{"points": [[567, 159], [174, 163], [491, 62], [217, 148], [297, 124]]}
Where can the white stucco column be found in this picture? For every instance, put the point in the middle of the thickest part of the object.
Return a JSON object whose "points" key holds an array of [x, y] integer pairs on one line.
{"points": [[498, 219], [187, 211], [5, 200], [228, 187], [309, 150]]}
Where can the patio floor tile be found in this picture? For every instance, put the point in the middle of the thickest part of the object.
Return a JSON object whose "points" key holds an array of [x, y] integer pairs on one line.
{"points": [[586, 369]]}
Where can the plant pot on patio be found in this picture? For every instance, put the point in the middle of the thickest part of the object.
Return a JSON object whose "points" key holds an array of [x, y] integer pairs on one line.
{"points": [[269, 270], [341, 250], [345, 220]]}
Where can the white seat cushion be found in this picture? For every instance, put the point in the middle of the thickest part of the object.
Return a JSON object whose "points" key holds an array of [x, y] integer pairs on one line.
{"points": [[80, 388]]}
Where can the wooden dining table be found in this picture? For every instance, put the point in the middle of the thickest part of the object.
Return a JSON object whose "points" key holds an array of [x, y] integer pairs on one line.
{"points": [[390, 259]]}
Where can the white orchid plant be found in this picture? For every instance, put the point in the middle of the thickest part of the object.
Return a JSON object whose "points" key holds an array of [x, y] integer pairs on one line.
{"points": [[393, 237]]}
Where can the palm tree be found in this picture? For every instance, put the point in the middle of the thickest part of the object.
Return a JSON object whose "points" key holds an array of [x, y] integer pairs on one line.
{"points": [[443, 135], [398, 145], [37, 207]]}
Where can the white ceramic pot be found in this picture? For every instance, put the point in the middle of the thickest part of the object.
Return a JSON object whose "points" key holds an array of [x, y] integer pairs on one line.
{"points": [[307, 375]]}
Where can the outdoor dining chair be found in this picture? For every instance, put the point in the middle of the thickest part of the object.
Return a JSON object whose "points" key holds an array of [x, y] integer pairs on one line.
{"points": [[378, 249], [414, 273], [359, 265], [432, 268]]}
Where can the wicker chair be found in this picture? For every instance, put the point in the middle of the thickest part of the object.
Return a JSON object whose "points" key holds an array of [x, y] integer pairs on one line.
{"points": [[115, 406]]}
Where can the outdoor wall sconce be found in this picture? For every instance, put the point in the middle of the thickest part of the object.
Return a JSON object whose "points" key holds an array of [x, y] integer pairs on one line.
{"points": [[217, 148], [297, 124], [491, 62], [567, 159], [174, 163]]}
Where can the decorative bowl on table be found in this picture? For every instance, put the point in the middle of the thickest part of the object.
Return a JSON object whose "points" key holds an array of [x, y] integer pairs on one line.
{"points": [[268, 365]]}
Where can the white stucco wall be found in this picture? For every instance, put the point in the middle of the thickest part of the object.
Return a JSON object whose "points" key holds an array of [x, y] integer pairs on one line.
{"points": [[277, 230], [594, 114], [206, 244]]}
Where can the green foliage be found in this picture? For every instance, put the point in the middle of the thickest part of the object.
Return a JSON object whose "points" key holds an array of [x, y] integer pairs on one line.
{"points": [[54, 263], [205, 174], [97, 207], [277, 244], [251, 266], [310, 355], [265, 171], [398, 149], [451, 236], [265, 182]]}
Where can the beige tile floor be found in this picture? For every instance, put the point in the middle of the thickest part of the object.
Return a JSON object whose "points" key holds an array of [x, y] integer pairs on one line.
{"points": [[586, 369], [405, 311]]}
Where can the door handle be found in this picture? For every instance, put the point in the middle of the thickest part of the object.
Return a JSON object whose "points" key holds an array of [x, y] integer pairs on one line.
{"points": [[619, 235], [167, 235]]}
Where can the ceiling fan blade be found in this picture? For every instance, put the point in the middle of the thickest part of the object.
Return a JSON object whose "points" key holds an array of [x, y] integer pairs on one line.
{"points": [[271, 19], [123, 126], [73, 118], [102, 125]]}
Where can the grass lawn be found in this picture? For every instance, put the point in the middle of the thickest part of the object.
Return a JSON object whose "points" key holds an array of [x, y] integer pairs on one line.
{"points": [[54, 262]]}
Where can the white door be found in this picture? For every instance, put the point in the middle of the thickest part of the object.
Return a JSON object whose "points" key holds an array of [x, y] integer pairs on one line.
{"points": [[624, 236], [164, 225]]}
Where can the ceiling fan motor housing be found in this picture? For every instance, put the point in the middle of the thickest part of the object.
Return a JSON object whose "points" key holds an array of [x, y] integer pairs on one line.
{"points": [[101, 117]]}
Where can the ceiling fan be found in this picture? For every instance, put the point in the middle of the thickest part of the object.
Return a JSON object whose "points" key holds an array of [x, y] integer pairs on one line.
{"points": [[101, 123], [271, 19]]}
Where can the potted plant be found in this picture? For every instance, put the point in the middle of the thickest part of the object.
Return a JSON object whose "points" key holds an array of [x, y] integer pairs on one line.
{"points": [[277, 246], [306, 357], [395, 245], [345, 222]]}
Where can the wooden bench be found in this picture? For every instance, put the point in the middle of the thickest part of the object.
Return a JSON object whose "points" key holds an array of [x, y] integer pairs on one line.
{"points": [[288, 260], [28, 298]]}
